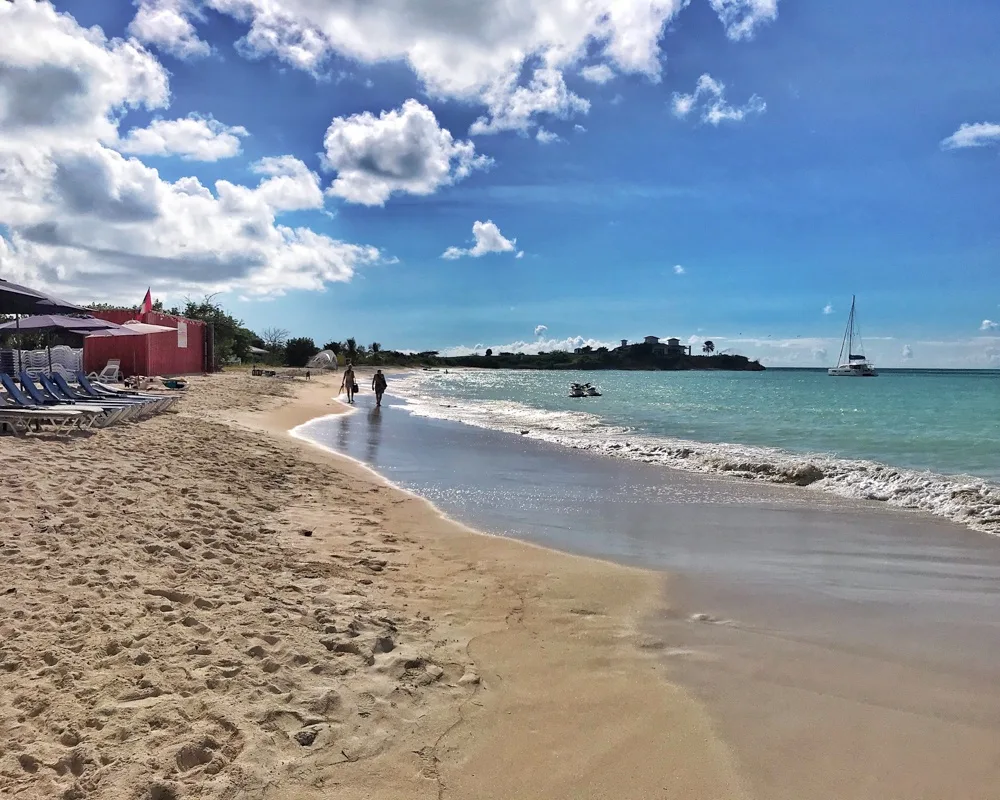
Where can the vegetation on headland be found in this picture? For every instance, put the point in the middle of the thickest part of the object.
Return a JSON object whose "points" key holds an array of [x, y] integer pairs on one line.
{"points": [[636, 357], [235, 342]]}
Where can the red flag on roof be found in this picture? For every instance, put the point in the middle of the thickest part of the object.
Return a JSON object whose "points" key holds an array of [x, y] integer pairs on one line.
{"points": [[147, 305]]}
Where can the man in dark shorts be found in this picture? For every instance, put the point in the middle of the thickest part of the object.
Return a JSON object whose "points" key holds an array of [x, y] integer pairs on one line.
{"points": [[378, 386]]}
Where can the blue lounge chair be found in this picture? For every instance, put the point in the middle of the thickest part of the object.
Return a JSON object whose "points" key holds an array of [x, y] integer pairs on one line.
{"points": [[17, 411], [131, 410], [19, 420], [105, 415], [98, 391]]}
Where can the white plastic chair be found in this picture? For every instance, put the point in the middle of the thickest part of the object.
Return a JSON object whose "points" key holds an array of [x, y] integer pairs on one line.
{"points": [[111, 372]]}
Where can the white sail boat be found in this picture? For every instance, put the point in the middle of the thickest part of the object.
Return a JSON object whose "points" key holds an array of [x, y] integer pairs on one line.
{"points": [[855, 365]]}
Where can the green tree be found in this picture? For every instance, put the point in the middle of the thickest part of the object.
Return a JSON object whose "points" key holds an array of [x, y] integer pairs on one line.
{"points": [[375, 349], [708, 348], [298, 351], [232, 339], [489, 352], [157, 306], [351, 350], [334, 347]]}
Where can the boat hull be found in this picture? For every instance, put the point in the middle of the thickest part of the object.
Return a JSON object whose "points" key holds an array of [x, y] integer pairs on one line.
{"points": [[865, 371]]}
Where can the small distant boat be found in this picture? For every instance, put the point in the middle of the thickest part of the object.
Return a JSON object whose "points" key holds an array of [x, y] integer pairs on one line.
{"points": [[856, 364], [583, 390]]}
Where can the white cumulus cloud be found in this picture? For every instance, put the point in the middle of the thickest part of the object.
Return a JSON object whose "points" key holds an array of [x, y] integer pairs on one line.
{"points": [[742, 17], [469, 51], [404, 150], [710, 95], [679, 270], [547, 137], [977, 134], [59, 82], [989, 325], [907, 352], [193, 138], [91, 223], [166, 24], [597, 73], [828, 308], [488, 239], [540, 329], [513, 108]]}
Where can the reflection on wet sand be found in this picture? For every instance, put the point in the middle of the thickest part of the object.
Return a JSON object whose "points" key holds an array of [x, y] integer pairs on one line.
{"points": [[374, 434]]}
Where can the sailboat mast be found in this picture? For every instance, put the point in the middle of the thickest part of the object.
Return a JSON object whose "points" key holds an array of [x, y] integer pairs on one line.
{"points": [[848, 339], [850, 327]]}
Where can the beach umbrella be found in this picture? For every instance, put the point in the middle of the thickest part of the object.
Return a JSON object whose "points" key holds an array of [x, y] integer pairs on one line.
{"points": [[18, 300], [56, 322]]}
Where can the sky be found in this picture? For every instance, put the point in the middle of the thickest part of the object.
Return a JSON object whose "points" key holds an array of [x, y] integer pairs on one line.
{"points": [[518, 174]]}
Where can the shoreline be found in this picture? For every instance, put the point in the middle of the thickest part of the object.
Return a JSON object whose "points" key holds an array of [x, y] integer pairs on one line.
{"points": [[204, 605], [969, 500]]}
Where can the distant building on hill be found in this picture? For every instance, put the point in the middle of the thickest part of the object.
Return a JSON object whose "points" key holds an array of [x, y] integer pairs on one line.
{"points": [[672, 347], [675, 348]]}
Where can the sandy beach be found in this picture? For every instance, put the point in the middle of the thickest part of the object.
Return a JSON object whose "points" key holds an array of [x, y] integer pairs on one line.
{"points": [[202, 606]]}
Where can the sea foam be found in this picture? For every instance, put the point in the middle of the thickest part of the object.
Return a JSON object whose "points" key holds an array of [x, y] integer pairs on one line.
{"points": [[964, 499]]}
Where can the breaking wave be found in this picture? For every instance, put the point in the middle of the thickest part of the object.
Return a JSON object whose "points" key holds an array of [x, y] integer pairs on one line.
{"points": [[964, 499]]}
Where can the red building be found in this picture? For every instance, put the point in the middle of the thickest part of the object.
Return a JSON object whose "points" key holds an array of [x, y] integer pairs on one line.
{"points": [[183, 351]]}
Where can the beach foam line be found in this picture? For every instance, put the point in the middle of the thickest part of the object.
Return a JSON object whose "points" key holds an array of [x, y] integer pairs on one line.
{"points": [[964, 499]]}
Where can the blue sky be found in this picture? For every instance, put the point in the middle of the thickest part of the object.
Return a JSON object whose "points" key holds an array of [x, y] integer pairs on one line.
{"points": [[813, 163]]}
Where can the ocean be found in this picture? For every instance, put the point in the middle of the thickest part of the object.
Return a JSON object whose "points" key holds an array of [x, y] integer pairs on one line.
{"points": [[919, 439]]}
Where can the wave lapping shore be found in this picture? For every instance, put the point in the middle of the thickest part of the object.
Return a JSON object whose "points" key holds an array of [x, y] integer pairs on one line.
{"points": [[966, 499]]}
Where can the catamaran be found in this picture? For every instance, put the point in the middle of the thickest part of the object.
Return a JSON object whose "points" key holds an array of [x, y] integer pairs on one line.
{"points": [[856, 365]]}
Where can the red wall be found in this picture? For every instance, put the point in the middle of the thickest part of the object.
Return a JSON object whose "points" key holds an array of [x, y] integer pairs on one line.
{"points": [[151, 354]]}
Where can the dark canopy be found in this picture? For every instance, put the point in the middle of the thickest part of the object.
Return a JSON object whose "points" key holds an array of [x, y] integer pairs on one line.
{"points": [[58, 322], [17, 299]]}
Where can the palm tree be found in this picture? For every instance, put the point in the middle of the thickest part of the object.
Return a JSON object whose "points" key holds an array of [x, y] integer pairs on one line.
{"points": [[708, 348], [334, 347], [351, 349]]}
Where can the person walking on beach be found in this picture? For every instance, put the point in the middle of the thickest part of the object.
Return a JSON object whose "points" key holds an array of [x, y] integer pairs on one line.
{"points": [[378, 386], [349, 383]]}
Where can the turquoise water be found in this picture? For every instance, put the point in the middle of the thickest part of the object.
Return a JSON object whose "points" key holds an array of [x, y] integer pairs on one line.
{"points": [[923, 439]]}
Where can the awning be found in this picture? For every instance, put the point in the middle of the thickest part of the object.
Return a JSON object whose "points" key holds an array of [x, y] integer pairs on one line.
{"points": [[136, 328]]}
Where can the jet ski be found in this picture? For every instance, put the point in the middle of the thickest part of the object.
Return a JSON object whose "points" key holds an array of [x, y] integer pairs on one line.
{"points": [[583, 390]]}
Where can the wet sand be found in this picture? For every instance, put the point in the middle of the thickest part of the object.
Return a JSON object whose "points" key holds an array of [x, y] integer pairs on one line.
{"points": [[201, 606], [844, 649]]}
